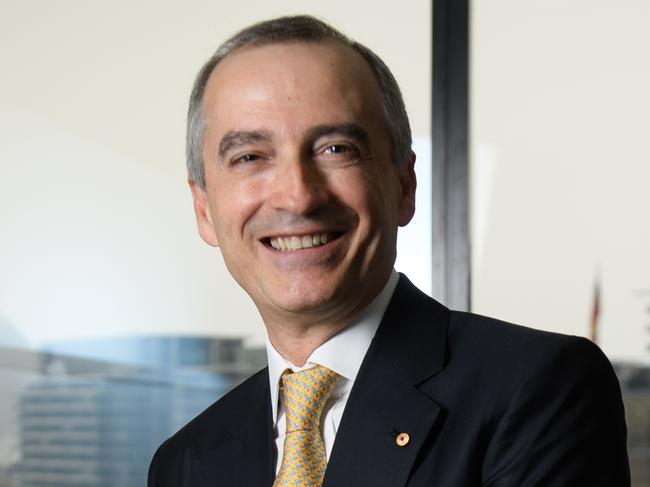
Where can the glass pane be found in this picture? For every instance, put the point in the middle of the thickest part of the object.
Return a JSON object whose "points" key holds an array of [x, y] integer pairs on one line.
{"points": [[117, 323], [560, 115]]}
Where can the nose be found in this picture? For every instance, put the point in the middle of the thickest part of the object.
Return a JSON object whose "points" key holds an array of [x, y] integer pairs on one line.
{"points": [[298, 186]]}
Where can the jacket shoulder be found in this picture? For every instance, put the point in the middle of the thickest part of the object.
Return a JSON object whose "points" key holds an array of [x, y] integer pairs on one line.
{"points": [[505, 342], [551, 403], [229, 410], [501, 359], [217, 425]]}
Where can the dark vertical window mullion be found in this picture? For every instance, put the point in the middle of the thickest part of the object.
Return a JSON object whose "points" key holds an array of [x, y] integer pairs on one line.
{"points": [[450, 171]]}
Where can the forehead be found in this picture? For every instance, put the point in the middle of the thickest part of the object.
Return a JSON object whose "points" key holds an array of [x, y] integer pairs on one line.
{"points": [[291, 83]]}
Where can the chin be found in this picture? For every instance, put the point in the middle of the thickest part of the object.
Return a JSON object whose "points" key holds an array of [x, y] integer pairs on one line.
{"points": [[306, 299], [305, 303]]}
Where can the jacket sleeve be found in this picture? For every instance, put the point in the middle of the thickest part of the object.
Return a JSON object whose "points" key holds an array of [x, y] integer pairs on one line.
{"points": [[564, 425]]}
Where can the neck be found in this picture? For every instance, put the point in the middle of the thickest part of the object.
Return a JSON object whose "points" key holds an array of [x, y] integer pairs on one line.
{"points": [[296, 344], [295, 335]]}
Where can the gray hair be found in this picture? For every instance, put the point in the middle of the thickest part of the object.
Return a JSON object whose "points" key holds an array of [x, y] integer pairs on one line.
{"points": [[306, 29]]}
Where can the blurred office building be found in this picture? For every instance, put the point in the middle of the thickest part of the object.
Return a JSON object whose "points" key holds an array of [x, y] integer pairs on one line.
{"points": [[92, 413], [97, 422]]}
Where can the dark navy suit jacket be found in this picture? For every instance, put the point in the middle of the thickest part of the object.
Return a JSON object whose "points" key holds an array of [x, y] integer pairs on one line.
{"points": [[485, 403]]}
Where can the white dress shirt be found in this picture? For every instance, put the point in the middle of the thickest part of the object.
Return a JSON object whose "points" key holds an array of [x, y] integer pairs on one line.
{"points": [[343, 353]]}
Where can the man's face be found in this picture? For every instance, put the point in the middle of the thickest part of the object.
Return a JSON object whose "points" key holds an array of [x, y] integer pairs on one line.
{"points": [[301, 195]]}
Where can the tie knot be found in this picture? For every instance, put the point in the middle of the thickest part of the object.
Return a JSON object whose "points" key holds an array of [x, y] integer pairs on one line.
{"points": [[304, 394]]}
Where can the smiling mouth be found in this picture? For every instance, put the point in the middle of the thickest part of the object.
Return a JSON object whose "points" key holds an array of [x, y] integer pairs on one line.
{"points": [[299, 242]]}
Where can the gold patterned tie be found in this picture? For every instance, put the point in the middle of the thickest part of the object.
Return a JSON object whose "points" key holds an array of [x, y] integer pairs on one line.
{"points": [[304, 395]]}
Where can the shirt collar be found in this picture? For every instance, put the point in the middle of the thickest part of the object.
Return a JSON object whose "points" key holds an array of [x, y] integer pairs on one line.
{"points": [[344, 352]]}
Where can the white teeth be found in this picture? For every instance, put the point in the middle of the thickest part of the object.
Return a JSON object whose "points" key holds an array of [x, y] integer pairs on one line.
{"points": [[297, 243]]}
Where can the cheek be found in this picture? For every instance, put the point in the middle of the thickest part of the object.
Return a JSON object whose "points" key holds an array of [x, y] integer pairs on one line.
{"points": [[351, 188], [235, 204], [373, 194], [368, 200]]}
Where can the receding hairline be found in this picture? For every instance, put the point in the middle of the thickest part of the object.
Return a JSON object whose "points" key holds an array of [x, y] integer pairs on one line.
{"points": [[361, 75], [269, 43], [305, 30]]}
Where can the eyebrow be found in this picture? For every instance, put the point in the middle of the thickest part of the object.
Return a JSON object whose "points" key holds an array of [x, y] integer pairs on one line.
{"points": [[237, 138], [348, 129]]}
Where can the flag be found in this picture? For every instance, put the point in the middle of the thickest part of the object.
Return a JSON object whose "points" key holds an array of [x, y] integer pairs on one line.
{"points": [[595, 311]]}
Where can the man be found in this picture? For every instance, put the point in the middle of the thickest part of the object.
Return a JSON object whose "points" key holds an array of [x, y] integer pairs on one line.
{"points": [[301, 171]]}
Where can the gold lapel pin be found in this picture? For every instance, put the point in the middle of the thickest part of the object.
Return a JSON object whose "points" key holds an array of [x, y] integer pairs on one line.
{"points": [[402, 439]]}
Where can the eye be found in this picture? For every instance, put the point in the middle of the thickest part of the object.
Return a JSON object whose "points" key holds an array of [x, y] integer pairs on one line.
{"points": [[338, 154], [245, 159], [338, 149]]}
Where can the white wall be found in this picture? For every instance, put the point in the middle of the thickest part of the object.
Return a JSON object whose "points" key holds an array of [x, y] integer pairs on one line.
{"points": [[561, 166], [97, 231]]}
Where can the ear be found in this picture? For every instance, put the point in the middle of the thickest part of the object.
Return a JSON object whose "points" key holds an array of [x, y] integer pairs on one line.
{"points": [[408, 183], [203, 215]]}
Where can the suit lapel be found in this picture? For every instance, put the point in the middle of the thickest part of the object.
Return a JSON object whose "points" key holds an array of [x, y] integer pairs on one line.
{"points": [[408, 349]]}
